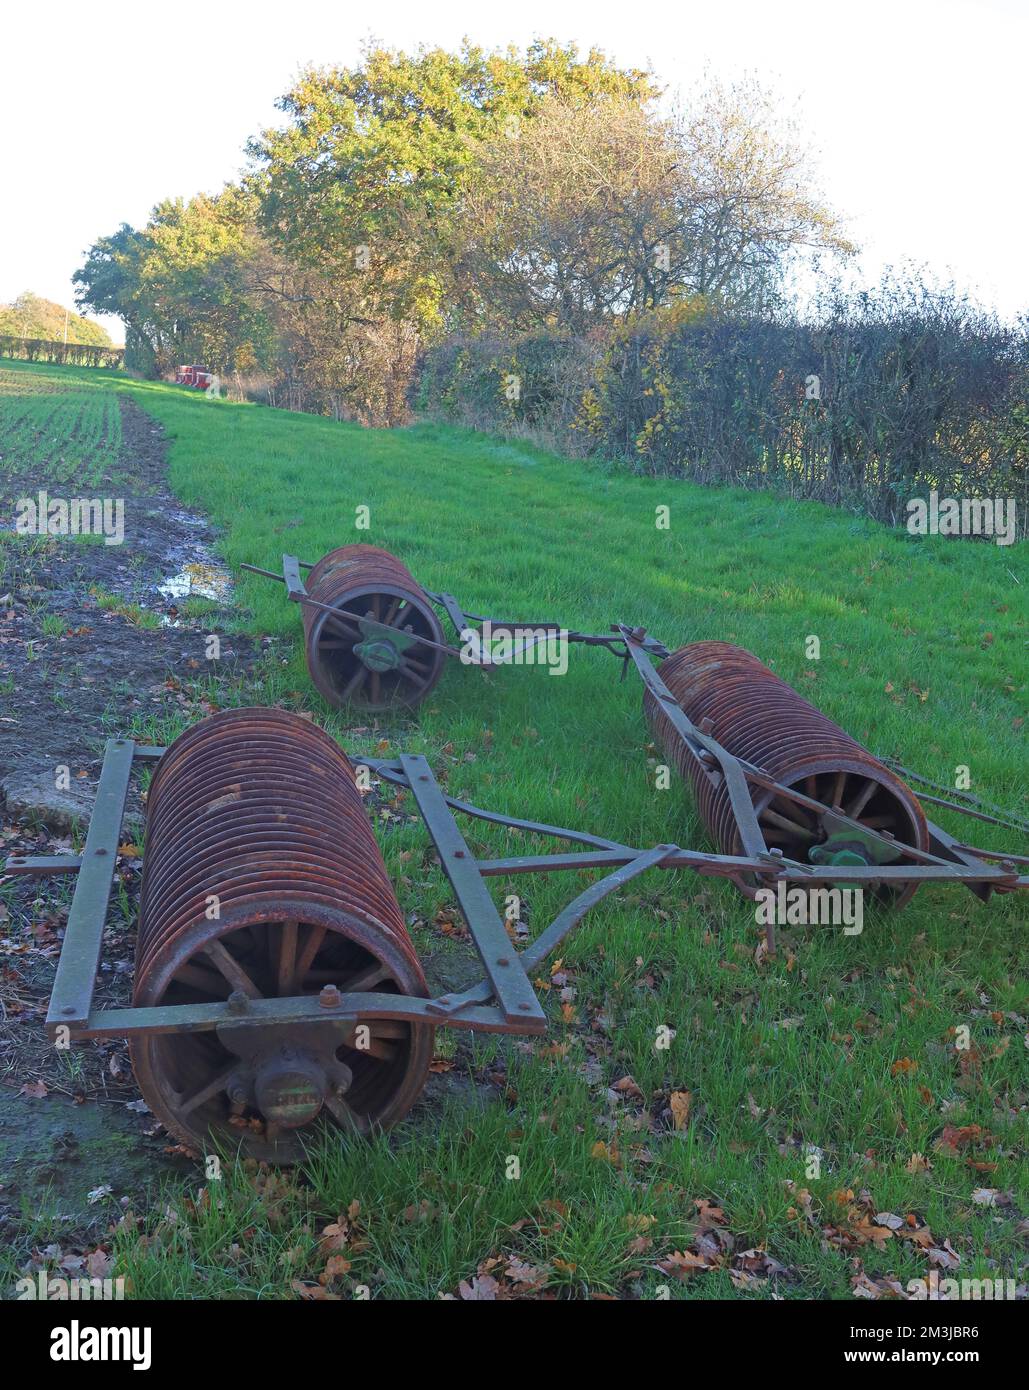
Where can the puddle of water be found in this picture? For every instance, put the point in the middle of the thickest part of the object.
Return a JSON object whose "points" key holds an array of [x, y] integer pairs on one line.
{"points": [[198, 579], [184, 518]]}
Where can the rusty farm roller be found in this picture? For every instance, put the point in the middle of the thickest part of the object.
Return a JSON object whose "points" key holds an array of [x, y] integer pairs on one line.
{"points": [[372, 636], [276, 989], [262, 879], [728, 693]]}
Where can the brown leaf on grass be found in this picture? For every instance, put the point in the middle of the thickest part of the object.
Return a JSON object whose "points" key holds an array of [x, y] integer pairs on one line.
{"points": [[890, 1219], [918, 1163], [707, 1214], [864, 1287], [315, 1293], [757, 1261], [627, 1087], [679, 1104], [339, 1233], [903, 1065], [957, 1137], [526, 1278], [944, 1256], [35, 1090], [918, 1235], [99, 1264], [869, 1232], [482, 1289], [335, 1267], [682, 1263], [991, 1197]]}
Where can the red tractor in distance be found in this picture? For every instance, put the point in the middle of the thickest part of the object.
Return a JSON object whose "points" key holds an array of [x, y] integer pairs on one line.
{"points": [[199, 377]]}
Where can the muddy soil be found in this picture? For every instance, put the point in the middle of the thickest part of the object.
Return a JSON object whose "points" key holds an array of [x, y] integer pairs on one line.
{"points": [[88, 642], [69, 1171], [90, 647]]}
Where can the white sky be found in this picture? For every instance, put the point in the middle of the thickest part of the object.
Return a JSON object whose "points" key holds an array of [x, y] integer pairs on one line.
{"points": [[916, 107]]}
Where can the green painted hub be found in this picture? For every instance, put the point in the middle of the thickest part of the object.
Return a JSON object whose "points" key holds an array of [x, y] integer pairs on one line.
{"points": [[289, 1088], [378, 654], [825, 854]]}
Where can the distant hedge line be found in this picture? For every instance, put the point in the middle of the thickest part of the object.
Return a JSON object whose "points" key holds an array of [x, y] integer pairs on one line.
{"points": [[68, 354], [868, 406]]}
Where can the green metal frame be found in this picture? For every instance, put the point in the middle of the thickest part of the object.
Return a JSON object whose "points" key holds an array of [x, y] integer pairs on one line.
{"points": [[506, 980], [517, 1008], [462, 621]]}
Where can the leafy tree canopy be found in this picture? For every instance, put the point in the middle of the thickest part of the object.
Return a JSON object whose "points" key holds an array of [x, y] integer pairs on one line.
{"points": [[31, 316], [368, 173]]}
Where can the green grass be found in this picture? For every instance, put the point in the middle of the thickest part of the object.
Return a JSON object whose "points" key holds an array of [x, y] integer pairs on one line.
{"points": [[923, 648], [53, 429], [132, 612]]}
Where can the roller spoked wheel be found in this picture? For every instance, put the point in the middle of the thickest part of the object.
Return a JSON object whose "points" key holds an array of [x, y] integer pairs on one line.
{"points": [[754, 715], [863, 796], [268, 1089], [366, 653]]}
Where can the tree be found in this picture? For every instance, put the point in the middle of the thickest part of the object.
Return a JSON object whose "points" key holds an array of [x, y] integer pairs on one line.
{"points": [[365, 182], [570, 219], [183, 284], [110, 283], [606, 209], [31, 316], [746, 200]]}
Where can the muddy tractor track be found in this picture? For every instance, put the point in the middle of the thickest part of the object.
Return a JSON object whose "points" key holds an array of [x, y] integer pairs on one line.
{"points": [[95, 640]]}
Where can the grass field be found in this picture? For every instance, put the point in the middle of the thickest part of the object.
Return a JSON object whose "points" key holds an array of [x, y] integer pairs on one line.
{"points": [[838, 1056], [76, 432]]}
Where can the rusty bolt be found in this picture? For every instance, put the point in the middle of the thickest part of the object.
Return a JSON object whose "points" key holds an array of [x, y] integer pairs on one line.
{"points": [[329, 997], [238, 1002]]}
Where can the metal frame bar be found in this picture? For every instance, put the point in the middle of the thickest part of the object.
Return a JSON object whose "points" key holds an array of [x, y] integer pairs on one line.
{"points": [[462, 621], [506, 975], [72, 994], [517, 1008], [949, 862]]}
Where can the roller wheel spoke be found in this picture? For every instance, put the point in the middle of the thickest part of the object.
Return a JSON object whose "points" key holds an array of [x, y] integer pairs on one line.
{"points": [[208, 1091], [347, 1117], [862, 799], [287, 959], [232, 970]]}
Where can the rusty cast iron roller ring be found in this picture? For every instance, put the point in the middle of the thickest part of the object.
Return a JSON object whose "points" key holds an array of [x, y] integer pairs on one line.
{"points": [[262, 878], [759, 718], [350, 659]]}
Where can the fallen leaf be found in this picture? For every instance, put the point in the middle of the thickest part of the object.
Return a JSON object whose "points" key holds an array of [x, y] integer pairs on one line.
{"points": [[679, 1104], [481, 1289]]}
